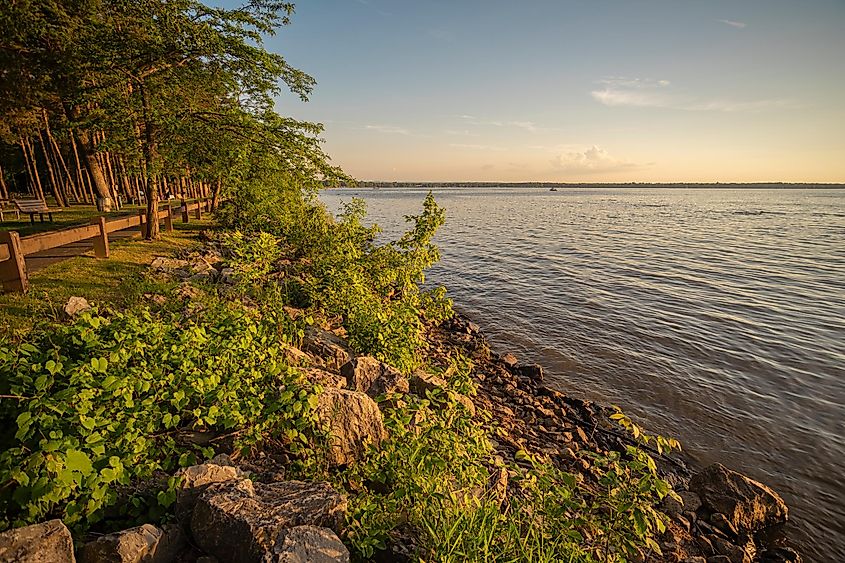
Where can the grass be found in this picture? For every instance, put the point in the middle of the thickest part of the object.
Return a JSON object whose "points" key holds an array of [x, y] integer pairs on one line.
{"points": [[102, 282], [70, 216]]}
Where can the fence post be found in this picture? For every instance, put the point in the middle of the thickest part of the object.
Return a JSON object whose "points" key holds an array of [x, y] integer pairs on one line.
{"points": [[198, 211], [101, 243], [184, 211], [13, 270], [141, 223], [168, 219]]}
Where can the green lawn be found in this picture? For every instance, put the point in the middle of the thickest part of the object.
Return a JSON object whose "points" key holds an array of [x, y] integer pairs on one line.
{"points": [[108, 282]]}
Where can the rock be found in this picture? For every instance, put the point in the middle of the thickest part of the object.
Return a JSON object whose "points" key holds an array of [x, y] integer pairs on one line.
{"points": [[187, 292], [242, 522], [325, 378], [695, 559], [509, 360], [721, 522], [296, 357], [473, 328], [780, 555], [76, 305], [465, 401], [47, 542], [690, 502], [143, 544], [422, 382], [531, 371], [747, 504], [354, 421], [370, 376], [308, 544], [326, 345], [734, 553], [163, 264], [197, 478], [228, 275]]}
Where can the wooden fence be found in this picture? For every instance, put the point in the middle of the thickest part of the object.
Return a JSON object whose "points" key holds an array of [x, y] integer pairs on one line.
{"points": [[14, 248]]}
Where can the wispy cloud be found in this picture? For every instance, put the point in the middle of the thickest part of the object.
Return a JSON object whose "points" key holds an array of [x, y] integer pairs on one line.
{"points": [[526, 125], [591, 160], [477, 147], [636, 92], [390, 129], [461, 133], [733, 23]]}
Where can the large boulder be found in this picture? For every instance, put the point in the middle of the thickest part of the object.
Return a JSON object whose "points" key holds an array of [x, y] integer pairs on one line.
{"points": [[370, 376], [142, 544], [331, 348], [243, 522], [746, 504], [354, 422], [48, 542], [308, 544], [197, 478]]}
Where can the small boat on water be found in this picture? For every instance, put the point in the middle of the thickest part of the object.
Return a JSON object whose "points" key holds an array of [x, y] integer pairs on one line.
{"points": [[553, 190]]}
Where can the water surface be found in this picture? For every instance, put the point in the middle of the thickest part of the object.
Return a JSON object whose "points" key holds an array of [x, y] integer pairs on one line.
{"points": [[716, 316]]}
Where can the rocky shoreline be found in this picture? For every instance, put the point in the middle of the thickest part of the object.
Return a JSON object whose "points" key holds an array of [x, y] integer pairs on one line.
{"points": [[245, 510]]}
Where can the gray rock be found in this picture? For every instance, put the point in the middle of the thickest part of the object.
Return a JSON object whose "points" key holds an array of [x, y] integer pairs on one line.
{"points": [[325, 378], [47, 542], [163, 264], [509, 360], [143, 544], [747, 504], [308, 544], [734, 553], [354, 422], [242, 522], [333, 349], [422, 382], [370, 376], [532, 371], [296, 357], [197, 478], [76, 305]]}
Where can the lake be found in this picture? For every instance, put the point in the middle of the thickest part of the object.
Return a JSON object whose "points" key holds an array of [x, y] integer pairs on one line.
{"points": [[713, 315]]}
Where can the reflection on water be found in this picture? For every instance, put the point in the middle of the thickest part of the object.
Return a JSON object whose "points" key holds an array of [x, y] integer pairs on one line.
{"points": [[717, 316]]}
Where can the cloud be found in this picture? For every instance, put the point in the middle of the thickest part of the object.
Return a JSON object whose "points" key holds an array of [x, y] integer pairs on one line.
{"points": [[646, 93], [390, 129], [476, 147], [732, 23], [591, 160], [526, 125]]}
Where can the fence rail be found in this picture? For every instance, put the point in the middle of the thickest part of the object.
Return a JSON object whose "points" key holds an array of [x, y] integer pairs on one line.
{"points": [[14, 248]]}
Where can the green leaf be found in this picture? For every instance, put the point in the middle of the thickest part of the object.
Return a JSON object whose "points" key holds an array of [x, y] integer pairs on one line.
{"points": [[76, 460]]}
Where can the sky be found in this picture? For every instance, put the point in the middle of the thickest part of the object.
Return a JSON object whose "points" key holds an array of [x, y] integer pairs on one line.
{"points": [[574, 90]]}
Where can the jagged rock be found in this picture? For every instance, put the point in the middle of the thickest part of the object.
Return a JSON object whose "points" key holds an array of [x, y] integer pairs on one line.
{"points": [[370, 376], [465, 401], [296, 357], [76, 305], [690, 502], [308, 544], [721, 522], [333, 349], [509, 360], [187, 292], [142, 544], [747, 504], [325, 378], [531, 371], [242, 522], [197, 478], [354, 422], [227, 275], [163, 264], [47, 542], [421, 382], [780, 555], [734, 553]]}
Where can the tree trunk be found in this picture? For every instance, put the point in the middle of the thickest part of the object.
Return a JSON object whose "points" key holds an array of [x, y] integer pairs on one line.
{"points": [[150, 157], [51, 172], [4, 189], [83, 185], [32, 169], [215, 194], [95, 172], [69, 186]]}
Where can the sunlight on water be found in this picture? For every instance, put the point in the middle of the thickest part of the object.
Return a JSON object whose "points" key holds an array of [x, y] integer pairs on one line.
{"points": [[717, 316]]}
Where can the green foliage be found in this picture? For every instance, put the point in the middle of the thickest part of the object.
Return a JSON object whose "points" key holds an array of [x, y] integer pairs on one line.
{"points": [[109, 400], [252, 256]]}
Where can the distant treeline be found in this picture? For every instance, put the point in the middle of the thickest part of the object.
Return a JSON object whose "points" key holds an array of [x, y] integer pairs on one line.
{"points": [[738, 185]]}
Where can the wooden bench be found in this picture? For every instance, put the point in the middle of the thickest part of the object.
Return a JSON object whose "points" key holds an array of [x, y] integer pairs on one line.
{"points": [[4, 203], [33, 206]]}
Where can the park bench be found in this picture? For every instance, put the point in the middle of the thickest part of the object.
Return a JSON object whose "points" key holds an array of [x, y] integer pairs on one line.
{"points": [[33, 206], [4, 204]]}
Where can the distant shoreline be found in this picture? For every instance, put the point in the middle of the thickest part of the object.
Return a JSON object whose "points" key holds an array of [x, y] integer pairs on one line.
{"points": [[683, 185]]}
